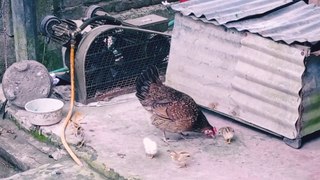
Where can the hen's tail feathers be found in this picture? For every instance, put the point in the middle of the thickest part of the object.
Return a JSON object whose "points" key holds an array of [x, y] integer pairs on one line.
{"points": [[146, 78]]}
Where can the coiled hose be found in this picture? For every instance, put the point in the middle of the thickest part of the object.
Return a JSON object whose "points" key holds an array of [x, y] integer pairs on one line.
{"points": [[67, 120]]}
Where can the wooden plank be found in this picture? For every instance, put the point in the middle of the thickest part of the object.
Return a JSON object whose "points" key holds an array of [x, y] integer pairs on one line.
{"points": [[24, 28]]}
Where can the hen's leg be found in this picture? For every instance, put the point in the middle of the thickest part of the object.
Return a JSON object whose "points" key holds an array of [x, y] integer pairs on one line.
{"points": [[161, 123], [184, 134], [166, 125], [165, 139]]}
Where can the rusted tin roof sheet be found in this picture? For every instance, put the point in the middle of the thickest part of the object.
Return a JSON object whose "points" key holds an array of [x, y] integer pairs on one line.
{"points": [[280, 20]]}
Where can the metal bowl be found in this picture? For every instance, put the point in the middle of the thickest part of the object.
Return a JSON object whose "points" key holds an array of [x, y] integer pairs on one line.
{"points": [[46, 111]]}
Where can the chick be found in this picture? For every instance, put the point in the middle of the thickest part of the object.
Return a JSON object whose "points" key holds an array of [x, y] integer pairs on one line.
{"points": [[227, 133], [150, 147], [179, 157]]}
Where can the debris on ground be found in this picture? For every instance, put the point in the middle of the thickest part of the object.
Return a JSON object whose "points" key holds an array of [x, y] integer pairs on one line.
{"points": [[58, 154], [4, 130], [77, 131], [121, 155], [62, 92]]}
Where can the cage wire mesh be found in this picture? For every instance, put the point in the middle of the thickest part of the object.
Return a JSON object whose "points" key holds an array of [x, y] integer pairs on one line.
{"points": [[116, 57]]}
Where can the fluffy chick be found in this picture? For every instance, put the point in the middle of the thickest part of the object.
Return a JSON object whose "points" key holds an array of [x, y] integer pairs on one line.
{"points": [[227, 133], [150, 147], [179, 157]]}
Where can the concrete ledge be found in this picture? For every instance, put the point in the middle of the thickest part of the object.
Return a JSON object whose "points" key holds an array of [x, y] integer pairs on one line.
{"points": [[58, 170], [52, 135]]}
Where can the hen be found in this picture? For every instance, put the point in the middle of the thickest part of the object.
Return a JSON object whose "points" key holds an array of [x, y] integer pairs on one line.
{"points": [[173, 111]]}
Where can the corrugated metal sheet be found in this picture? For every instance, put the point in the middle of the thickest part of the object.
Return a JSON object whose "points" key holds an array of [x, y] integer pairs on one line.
{"points": [[298, 22], [224, 11], [287, 22], [244, 76]]}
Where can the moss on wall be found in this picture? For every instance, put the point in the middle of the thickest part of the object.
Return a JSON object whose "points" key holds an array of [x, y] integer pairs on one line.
{"points": [[49, 54]]}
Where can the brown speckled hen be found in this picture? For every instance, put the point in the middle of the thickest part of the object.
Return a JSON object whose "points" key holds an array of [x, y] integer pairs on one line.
{"points": [[173, 111]]}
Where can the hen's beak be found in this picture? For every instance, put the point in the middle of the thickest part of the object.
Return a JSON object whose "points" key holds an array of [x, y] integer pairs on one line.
{"points": [[214, 130], [213, 136]]}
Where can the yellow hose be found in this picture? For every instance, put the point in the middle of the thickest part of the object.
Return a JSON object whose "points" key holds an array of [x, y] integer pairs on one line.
{"points": [[66, 121]]}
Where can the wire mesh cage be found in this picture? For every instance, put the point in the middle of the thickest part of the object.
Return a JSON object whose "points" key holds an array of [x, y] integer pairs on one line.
{"points": [[109, 59]]}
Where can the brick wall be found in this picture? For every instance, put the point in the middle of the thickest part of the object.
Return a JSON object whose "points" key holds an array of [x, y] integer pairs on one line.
{"points": [[75, 9]]}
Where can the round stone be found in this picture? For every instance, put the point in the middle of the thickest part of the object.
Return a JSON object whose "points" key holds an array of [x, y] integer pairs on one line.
{"points": [[26, 80]]}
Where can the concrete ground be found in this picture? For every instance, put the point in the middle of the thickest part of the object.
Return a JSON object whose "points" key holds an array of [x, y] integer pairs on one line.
{"points": [[113, 134]]}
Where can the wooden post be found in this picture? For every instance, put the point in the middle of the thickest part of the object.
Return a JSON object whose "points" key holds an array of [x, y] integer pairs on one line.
{"points": [[24, 28]]}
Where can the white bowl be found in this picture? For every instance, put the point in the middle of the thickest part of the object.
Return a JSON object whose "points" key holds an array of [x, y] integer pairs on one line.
{"points": [[46, 111]]}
